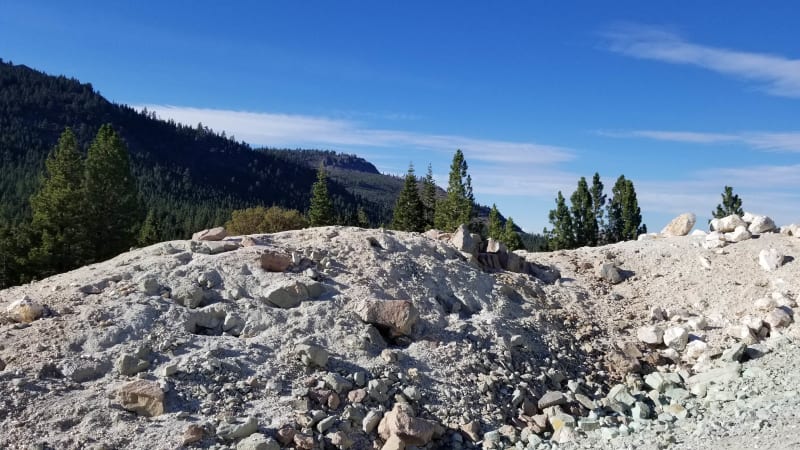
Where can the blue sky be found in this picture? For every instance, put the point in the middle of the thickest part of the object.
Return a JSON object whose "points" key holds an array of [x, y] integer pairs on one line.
{"points": [[681, 97]]}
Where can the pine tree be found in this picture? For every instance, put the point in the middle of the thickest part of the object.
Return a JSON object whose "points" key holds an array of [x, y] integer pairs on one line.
{"points": [[429, 198], [361, 218], [495, 225], [149, 232], [583, 221], [624, 214], [320, 213], [731, 204], [456, 208], [408, 210], [15, 246], [112, 199], [510, 236], [59, 210], [598, 202], [562, 236], [632, 214]]}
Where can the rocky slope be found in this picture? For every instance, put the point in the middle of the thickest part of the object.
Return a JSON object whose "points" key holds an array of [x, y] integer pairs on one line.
{"points": [[349, 338]]}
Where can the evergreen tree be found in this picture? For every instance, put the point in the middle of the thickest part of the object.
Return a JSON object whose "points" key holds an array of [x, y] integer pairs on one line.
{"points": [[149, 232], [731, 204], [534, 242], [562, 236], [59, 210], [624, 214], [15, 265], [510, 236], [429, 198], [456, 208], [112, 199], [361, 218], [409, 210], [320, 213], [583, 221], [495, 225], [598, 202]]}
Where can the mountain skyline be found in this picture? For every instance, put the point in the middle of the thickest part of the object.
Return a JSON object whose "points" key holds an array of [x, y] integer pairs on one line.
{"points": [[682, 102]]}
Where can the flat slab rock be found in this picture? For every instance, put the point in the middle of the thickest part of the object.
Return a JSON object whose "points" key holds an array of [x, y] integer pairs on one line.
{"points": [[143, 397], [552, 398], [212, 234]]}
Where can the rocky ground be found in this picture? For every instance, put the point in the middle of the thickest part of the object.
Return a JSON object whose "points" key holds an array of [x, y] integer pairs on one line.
{"points": [[349, 338]]}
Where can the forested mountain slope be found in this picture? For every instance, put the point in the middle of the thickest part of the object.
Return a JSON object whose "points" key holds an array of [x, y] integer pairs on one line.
{"points": [[191, 177]]}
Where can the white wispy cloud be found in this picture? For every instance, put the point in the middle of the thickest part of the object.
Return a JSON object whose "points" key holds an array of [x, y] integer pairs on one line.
{"points": [[771, 141], [775, 74], [293, 131], [765, 189]]}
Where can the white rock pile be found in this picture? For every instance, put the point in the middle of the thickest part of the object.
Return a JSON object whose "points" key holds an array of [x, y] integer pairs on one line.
{"points": [[346, 338]]}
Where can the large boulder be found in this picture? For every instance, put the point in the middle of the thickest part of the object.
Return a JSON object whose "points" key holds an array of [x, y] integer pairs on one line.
{"points": [[680, 226], [792, 229], [312, 355], [738, 235], [24, 310], [610, 273], [400, 424], [212, 234], [761, 224], [237, 430], [286, 295], [258, 441], [728, 223], [676, 337], [495, 246], [770, 260], [651, 335], [464, 241], [275, 262], [143, 397], [778, 317], [398, 316]]}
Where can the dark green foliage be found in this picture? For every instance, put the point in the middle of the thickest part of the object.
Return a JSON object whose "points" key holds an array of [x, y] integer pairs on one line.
{"points": [[624, 215], [562, 236], [148, 233], [361, 218], [408, 210], [15, 265], [112, 199], [534, 242], [598, 203], [363, 186], [495, 225], [320, 213], [584, 224], [59, 210], [429, 198], [456, 208], [264, 220], [731, 204], [510, 237], [191, 177]]}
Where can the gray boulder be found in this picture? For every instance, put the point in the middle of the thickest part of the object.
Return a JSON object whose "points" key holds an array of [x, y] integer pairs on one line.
{"points": [[770, 260], [680, 226], [463, 240], [761, 224], [609, 272], [213, 234]]}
